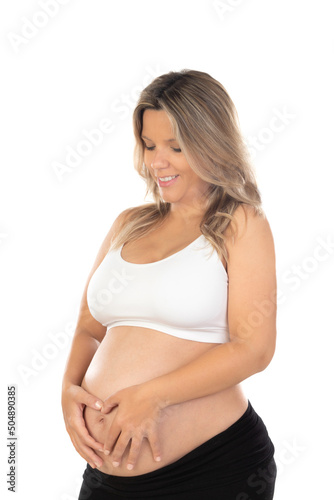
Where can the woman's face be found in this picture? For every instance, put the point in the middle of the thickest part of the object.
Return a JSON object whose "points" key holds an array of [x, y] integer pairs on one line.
{"points": [[164, 158]]}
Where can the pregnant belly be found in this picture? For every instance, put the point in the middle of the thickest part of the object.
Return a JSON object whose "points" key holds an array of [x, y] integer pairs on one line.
{"points": [[132, 355]]}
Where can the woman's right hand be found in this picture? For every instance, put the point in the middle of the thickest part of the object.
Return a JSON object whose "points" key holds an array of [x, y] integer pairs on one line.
{"points": [[74, 399]]}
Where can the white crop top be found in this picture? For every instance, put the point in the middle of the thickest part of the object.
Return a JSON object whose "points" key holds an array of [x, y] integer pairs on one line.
{"points": [[184, 295]]}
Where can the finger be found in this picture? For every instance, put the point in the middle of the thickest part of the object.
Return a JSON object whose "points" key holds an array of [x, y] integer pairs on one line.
{"points": [[89, 400], [108, 405], [91, 457], [81, 430], [90, 441], [134, 452], [112, 437], [86, 453], [154, 441], [119, 448]]}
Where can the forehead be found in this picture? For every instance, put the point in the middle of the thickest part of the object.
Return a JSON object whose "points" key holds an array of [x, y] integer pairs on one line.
{"points": [[156, 120]]}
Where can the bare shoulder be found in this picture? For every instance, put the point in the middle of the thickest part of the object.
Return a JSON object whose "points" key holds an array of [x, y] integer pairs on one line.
{"points": [[248, 225], [121, 219], [250, 247], [112, 232]]}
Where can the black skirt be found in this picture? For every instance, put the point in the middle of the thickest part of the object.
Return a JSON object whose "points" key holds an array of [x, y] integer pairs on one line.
{"points": [[237, 464]]}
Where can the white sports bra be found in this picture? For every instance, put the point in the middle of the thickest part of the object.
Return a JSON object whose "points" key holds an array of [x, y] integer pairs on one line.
{"points": [[184, 295]]}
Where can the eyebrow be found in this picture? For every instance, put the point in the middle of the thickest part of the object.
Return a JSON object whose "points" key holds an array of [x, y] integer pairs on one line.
{"points": [[168, 140]]}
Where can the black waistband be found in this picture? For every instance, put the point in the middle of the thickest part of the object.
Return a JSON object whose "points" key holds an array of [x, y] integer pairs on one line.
{"points": [[223, 459]]}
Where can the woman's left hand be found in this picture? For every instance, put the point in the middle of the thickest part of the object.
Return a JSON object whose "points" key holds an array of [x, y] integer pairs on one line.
{"points": [[137, 417]]}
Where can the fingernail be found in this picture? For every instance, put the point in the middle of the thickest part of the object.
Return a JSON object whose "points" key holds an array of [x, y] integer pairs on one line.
{"points": [[129, 466], [106, 452], [98, 405], [115, 464], [97, 464], [92, 465], [101, 450], [158, 459]]}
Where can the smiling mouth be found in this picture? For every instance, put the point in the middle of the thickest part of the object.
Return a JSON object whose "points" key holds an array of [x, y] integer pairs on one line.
{"points": [[169, 178]]}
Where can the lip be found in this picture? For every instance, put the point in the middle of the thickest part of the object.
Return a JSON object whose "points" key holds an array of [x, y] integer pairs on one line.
{"points": [[167, 183]]}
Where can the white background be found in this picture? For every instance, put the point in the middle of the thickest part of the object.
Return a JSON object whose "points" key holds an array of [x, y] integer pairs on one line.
{"points": [[86, 64]]}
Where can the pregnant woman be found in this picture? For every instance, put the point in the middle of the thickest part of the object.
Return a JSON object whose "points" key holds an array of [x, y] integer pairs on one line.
{"points": [[178, 309]]}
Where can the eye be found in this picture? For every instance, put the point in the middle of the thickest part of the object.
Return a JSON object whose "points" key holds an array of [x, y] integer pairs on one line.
{"points": [[151, 148]]}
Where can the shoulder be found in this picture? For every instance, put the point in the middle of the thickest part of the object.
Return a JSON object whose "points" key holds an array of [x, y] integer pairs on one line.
{"points": [[129, 214], [122, 218], [133, 212], [250, 242], [247, 223]]}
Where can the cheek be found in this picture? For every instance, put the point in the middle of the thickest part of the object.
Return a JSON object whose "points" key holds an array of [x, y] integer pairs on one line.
{"points": [[147, 163], [148, 157], [183, 166]]}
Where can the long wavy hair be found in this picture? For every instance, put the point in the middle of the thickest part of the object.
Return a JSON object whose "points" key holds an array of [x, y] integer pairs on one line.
{"points": [[206, 126]]}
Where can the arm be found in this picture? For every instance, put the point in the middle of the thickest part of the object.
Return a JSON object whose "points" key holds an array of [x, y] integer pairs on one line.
{"points": [[87, 337], [252, 325], [251, 318]]}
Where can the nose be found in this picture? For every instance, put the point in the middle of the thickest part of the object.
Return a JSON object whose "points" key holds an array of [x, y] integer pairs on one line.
{"points": [[159, 162]]}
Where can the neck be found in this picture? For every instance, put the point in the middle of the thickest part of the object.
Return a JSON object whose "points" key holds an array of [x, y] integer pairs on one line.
{"points": [[185, 215]]}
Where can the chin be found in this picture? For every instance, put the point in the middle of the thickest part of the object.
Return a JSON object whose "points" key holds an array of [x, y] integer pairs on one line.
{"points": [[169, 199]]}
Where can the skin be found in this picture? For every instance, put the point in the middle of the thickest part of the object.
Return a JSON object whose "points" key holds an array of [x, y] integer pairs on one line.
{"points": [[139, 409], [163, 158]]}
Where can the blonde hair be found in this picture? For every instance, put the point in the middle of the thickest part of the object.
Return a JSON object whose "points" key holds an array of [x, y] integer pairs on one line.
{"points": [[205, 123]]}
